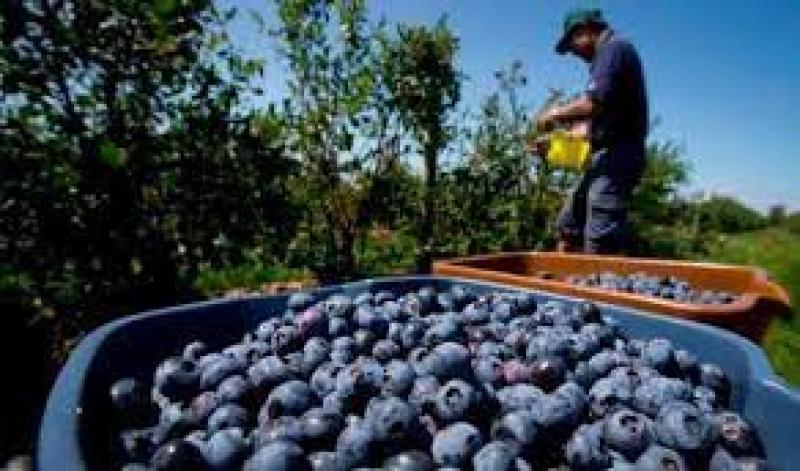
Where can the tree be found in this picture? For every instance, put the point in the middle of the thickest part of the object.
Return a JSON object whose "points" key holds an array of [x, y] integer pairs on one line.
{"points": [[777, 214], [127, 162], [418, 66], [337, 125]]}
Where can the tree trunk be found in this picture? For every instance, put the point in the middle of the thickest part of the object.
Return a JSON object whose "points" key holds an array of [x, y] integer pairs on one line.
{"points": [[428, 222]]}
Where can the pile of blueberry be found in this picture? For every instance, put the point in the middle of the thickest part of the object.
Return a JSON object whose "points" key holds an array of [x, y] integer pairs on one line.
{"points": [[664, 287], [428, 380]]}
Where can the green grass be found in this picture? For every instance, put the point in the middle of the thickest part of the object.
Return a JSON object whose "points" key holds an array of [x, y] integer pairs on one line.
{"points": [[778, 252]]}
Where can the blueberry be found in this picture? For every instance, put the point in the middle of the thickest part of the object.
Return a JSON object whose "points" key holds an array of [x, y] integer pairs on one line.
{"points": [[290, 398], [658, 458], [321, 428], [343, 350], [455, 401], [265, 329], [514, 371], [634, 375], [548, 372], [475, 314], [687, 364], [384, 350], [233, 389], [384, 296], [502, 312], [412, 335], [423, 392], [654, 392], [714, 378], [315, 352], [722, 460], [583, 374], [518, 426], [285, 428], [494, 349], [398, 378], [176, 378], [364, 377], [628, 432], [177, 455], [610, 394], [173, 421], [488, 369], [448, 360], [736, 435], [125, 467], [342, 402], [519, 396], [326, 461], [413, 460], [312, 321], [268, 372], [586, 449], [225, 449], [605, 361], [338, 327], [455, 445], [497, 455], [130, 398], [372, 320], [285, 339], [557, 412], [218, 369], [659, 355], [137, 444], [682, 427], [391, 418], [228, 416], [323, 379], [202, 405], [340, 305], [356, 443], [445, 330], [194, 351], [363, 339], [548, 343], [299, 301], [278, 456]]}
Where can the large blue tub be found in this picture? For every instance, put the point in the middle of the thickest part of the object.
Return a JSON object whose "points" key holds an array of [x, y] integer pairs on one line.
{"points": [[75, 433]]}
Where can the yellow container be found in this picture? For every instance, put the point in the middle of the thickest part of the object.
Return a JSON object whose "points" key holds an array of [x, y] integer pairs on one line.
{"points": [[567, 151]]}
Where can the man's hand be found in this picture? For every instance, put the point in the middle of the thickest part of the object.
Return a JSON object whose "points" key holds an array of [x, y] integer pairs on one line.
{"points": [[548, 118], [538, 146]]}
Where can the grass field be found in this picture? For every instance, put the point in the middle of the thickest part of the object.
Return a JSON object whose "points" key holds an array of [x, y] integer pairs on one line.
{"points": [[778, 252]]}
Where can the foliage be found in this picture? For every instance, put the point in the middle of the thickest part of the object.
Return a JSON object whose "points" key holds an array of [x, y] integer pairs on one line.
{"points": [[729, 215], [418, 67], [338, 127]]}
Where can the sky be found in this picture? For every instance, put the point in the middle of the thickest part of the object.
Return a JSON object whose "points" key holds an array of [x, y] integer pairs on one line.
{"points": [[722, 75]]}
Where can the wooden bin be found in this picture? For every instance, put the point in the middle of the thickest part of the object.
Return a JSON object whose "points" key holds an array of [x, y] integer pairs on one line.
{"points": [[758, 300]]}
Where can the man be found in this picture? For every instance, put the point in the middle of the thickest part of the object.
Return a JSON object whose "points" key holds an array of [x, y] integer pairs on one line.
{"points": [[594, 218]]}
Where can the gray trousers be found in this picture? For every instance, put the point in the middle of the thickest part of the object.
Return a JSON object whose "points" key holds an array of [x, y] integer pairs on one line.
{"points": [[594, 218]]}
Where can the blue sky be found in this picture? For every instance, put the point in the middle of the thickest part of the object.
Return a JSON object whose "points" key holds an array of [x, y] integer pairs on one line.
{"points": [[723, 76]]}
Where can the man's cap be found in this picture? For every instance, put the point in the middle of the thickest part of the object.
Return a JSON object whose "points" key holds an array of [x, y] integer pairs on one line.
{"points": [[575, 18]]}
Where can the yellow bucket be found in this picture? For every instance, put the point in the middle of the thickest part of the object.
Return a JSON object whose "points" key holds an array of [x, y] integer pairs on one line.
{"points": [[567, 151]]}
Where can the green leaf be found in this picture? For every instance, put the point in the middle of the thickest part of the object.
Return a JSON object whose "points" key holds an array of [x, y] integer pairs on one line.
{"points": [[112, 155], [163, 7]]}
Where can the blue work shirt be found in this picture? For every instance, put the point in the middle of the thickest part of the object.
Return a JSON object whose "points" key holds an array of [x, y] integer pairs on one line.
{"points": [[617, 88]]}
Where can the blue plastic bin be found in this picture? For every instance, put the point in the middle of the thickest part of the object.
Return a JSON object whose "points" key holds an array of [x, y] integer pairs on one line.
{"points": [[75, 432]]}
